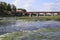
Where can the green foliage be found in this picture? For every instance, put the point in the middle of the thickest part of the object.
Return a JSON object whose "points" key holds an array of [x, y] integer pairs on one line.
{"points": [[6, 9], [37, 35], [12, 36], [13, 8]]}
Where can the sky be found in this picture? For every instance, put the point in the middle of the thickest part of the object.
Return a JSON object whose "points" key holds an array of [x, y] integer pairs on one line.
{"points": [[36, 5]]}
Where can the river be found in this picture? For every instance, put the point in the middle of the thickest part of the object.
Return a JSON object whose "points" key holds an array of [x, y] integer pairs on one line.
{"points": [[18, 26]]}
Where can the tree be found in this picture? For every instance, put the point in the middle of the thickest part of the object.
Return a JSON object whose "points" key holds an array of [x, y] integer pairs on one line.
{"points": [[3, 8], [13, 7], [9, 7]]}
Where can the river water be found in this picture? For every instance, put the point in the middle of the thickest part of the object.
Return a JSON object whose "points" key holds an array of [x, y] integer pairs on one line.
{"points": [[19, 25]]}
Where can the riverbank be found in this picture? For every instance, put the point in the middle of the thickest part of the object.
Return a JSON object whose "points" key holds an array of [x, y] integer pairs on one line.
{"points": [[40, 18], [26, 18]]}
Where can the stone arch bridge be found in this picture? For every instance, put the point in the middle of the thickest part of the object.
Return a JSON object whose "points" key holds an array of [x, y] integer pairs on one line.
{"points": [[39, 13], [43, 13]]}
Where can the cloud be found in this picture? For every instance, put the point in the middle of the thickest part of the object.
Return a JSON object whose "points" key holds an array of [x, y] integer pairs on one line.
{"points": [[52, 6], [16, 2], [48, 6], [23, 3], [28, 5], [57, 5], [0, 0]]}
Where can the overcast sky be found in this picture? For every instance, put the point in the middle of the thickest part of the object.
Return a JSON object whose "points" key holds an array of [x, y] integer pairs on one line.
{"points": [[36, 5]]}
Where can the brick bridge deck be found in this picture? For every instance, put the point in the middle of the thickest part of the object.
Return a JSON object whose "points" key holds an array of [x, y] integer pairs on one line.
{"points": [[37, 13]]}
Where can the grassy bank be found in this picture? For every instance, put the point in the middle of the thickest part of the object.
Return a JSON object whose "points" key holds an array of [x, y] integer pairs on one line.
{"points": [[34, 18], [40, 18]]}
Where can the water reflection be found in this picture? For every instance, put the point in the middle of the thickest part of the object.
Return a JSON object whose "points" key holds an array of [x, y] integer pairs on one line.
{"points": [[19, 25]]}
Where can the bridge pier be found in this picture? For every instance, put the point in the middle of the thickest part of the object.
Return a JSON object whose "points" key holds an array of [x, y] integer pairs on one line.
{"points": [[23, 14], [58, 13], [52, 14], [30, 14], [37, 14], [45, 14]]}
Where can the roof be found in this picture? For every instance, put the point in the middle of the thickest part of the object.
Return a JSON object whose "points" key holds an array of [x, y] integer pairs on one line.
{"points": [[19, 11]]}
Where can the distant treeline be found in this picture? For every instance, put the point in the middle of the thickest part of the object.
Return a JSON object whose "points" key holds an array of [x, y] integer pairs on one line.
{"points": [[8, 9]]}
